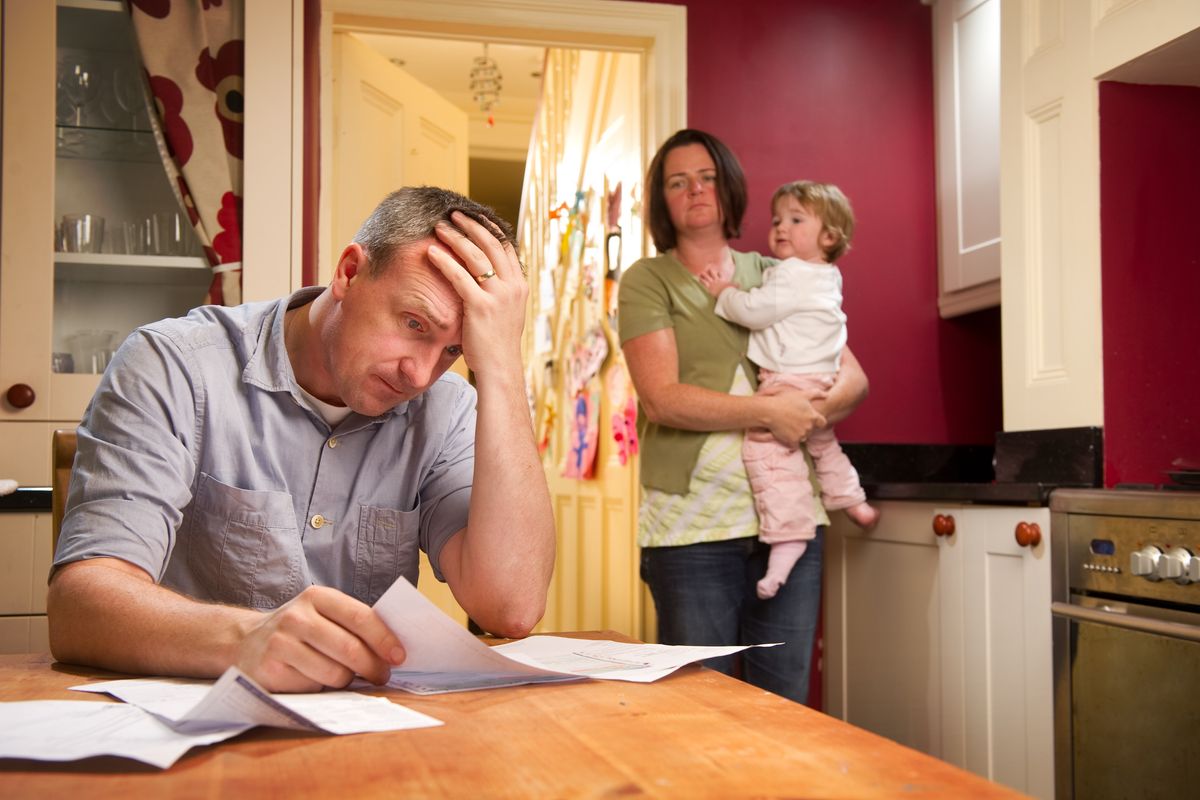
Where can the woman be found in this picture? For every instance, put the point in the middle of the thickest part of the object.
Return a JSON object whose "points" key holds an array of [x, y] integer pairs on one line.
{"points": [[701, 556]]}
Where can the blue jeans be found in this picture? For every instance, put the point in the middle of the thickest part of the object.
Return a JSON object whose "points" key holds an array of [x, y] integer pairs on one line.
{"points": [[704, 594]]}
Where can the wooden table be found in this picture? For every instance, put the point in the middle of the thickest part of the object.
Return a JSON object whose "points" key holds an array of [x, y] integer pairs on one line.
{"points": [[693, 734]]}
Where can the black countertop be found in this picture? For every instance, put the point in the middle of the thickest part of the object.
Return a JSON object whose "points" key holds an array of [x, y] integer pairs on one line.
{"points": [[995, 493], [1023, 468], [31, 498]]}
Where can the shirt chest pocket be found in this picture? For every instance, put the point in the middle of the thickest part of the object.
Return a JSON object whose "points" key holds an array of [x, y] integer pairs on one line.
{"points": [[244, 547], [387, 549]]}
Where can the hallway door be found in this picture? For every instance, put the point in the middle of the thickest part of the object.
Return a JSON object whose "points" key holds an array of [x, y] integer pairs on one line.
{"points": [[389, 130]]}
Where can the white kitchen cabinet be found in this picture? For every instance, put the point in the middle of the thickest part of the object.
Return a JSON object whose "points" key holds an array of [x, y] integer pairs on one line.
{"points": [[883, 626], [88, 151], [1052, 56], [1008, 723], [966, 36], [942, 643], [24, 567]]}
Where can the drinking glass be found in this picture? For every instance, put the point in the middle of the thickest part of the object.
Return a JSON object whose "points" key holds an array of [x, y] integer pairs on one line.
{"points": [[132, 238], [82, 233], [91, 350], [170, 234]]}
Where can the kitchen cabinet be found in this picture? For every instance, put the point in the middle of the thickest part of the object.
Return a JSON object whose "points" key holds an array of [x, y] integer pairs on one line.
{"points": [[76, 141], [24, 567], [942, 642], [1052, 56], [966, 36]]}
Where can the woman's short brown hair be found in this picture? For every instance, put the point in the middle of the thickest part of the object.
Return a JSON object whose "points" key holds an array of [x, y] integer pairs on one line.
{"points": [[731, 187]]}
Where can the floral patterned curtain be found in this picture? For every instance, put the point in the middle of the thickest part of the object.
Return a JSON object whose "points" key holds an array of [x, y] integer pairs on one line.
{"points": [[193, 52]]}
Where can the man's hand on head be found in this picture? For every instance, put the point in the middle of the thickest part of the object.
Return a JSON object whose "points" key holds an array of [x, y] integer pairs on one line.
{"points": [[488, 276]]}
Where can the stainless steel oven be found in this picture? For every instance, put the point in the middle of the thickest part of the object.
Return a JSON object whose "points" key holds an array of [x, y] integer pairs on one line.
{"points": [[1126, 627]]}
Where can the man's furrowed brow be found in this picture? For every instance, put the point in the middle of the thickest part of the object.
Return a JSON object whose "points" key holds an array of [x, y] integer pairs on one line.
{"points": [[420, 307]]}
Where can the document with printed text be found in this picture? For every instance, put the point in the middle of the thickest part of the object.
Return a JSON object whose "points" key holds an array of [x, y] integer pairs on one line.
{"points": [[443, 656]]}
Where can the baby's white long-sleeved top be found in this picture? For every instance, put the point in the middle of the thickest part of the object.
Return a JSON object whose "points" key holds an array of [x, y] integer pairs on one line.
{"points": [[795, 317]]}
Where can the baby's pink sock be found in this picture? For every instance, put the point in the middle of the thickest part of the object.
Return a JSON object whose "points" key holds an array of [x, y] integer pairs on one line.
{"points": [[784, 556]]}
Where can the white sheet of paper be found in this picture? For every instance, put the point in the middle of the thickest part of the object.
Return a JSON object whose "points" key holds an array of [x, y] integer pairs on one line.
{"points": [[191, 705], [67, 730], [609, 660], [444, 657]]}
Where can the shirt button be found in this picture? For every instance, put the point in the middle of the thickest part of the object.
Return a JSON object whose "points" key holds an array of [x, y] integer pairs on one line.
{"points": [[317, 521], [333, 442]]}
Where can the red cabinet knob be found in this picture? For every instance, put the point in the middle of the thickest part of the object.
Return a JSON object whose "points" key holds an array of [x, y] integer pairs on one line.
{"points": [[20, 395], [943, 525], [1029, 534]]}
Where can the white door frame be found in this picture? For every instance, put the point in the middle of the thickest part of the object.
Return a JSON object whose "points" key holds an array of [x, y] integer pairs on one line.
{"points": [[655, 30]]}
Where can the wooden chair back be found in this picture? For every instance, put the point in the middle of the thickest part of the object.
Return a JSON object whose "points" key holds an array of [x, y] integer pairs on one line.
{"points": [[62, 448]]}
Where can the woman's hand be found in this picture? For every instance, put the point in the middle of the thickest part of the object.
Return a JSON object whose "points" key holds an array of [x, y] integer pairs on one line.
{"points": [[790, 413]]}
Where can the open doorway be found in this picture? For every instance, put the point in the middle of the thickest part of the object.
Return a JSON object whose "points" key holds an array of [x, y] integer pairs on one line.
{"points": [[656, 31], [496, 85], [574, 195]]}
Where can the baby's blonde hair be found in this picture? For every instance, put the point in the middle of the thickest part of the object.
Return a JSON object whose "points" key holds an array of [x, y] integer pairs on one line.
{"points": [[827, 202]]}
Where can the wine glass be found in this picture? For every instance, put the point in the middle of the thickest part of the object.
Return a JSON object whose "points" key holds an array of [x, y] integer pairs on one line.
{"points": [[127, 90], [80, 83]]}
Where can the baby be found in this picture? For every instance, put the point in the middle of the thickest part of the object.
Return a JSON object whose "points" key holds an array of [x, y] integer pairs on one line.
{"points": [[797, 332]]}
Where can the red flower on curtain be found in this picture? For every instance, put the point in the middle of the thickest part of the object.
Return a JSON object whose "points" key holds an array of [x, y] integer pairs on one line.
{"points": [[223, 75], [154, 8], [212, 4], [228, 243], [170, 103]]}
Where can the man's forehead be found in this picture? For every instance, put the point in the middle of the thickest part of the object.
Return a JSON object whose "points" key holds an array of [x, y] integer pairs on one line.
{"points": [[420, 287]]}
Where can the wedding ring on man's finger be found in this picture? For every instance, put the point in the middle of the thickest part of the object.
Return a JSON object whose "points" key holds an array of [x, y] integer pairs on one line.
{"points": [[491, 273]]}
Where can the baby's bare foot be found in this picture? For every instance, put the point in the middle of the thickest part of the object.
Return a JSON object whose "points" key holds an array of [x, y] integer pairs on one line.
{"points": [[864, 515]]}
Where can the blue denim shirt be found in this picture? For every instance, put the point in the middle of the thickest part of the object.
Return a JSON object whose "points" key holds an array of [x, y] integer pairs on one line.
{"points": [[199, 462]]}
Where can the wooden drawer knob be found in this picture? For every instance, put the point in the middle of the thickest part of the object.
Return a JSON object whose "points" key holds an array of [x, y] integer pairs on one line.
{"points": [[943, 525], [20, 395], [1029, 534]]}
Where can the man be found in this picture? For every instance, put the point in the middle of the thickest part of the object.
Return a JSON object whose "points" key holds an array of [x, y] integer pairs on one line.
{"points": [[250, 480]]}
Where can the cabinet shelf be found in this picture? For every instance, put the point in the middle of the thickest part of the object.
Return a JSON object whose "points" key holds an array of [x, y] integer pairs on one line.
{"points": [[122, 268], [108, 144]]}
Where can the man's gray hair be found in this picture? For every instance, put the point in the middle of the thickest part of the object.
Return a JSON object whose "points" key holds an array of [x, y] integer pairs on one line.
{"points": [[408, 216]]}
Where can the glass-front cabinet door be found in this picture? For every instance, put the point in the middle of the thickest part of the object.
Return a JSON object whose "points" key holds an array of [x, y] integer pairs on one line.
{"points": [[77, 149], [99, 244], [125, 251]]}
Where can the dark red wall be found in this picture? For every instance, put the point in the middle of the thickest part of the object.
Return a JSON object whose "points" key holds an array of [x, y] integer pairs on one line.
{"points": [[1150, 278], [843, 92]]}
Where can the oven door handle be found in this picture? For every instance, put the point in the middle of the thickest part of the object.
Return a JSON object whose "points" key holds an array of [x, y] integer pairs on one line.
{"points": [[1155, 626]]}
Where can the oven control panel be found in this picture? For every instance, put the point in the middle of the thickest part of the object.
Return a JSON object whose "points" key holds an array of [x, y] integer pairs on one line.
{"points": [[1137, 556], [1171, 564]]}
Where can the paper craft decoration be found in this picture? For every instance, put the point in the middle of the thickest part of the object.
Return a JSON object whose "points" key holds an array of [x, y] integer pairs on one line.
{"points": [[585, 435], [624, 426]]}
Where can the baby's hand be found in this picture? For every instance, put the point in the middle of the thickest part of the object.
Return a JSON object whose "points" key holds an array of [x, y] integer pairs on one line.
{"points": [[714, 283]]}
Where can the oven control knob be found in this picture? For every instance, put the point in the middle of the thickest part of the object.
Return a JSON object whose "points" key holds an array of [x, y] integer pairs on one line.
{"points": [[1145, 562], [1193, 570], [1173, 566]]}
